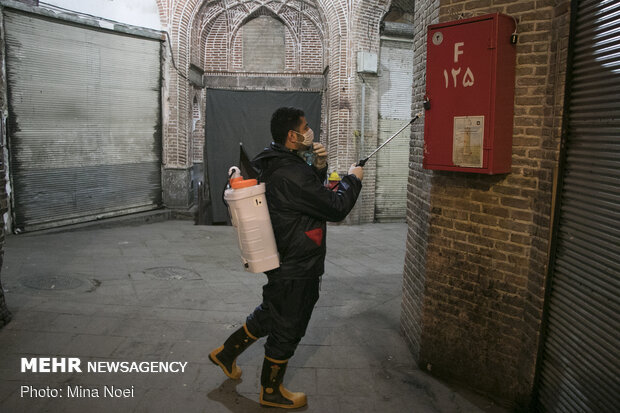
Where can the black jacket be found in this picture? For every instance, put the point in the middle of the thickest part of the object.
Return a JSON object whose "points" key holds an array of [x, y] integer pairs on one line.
{"points": [[299, 206]]}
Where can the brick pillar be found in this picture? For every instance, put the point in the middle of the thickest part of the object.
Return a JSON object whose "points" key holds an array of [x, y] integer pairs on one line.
{"points": [[352, 30], [418, 191], [477, 244], [177, 159]]}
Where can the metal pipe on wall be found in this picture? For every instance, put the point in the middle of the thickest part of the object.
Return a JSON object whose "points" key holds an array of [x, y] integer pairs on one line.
{"points": [[363, 116]]}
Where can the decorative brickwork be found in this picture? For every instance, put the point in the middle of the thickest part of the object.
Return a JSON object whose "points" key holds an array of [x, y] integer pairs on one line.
{"points": [[361, 24], [210, 35], [321, 37], [473, 290]]}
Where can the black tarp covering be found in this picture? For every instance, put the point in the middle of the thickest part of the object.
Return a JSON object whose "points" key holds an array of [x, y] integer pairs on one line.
{"points": [[243, 116]]}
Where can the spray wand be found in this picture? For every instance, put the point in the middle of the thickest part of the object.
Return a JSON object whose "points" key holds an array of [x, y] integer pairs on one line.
{"points": [[362, 162]]}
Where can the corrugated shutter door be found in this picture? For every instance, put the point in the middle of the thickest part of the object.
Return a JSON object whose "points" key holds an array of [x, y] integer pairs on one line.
{"points": [[84, 121], [581, 363], [395, 83]]}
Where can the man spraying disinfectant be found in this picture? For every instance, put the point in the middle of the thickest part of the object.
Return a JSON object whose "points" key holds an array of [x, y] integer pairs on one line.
{"points": [[293, 169]]}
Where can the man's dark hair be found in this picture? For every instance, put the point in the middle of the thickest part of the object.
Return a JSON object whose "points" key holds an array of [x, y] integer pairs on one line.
{"points": [[284, 120]]}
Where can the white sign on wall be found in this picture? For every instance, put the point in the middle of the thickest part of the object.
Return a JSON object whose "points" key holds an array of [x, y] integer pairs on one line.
{"points": [[468, 138]]}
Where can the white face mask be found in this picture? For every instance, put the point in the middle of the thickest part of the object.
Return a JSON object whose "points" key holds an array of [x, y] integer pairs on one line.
{"points": [[308, 137]]}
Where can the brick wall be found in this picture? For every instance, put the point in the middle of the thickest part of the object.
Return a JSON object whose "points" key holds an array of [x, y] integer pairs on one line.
{"points": [[220, 31], [364, 36], [210, 36], [418, 190], [473, 279], [320, 35]]}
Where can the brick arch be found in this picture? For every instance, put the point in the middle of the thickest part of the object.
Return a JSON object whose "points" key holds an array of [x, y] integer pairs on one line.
{"points": [[292, 39], [289, 33], [191, 11], [180, 18], [306, 28], [162, 6], [216, 39], [262, 11], [212, 14]]}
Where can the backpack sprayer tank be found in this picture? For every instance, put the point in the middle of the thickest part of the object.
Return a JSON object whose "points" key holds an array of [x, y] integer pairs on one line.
{"points": [[250, 216]]}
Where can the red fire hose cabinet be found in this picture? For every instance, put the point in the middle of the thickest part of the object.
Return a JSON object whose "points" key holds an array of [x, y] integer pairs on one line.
{"points": [[470, 75]]}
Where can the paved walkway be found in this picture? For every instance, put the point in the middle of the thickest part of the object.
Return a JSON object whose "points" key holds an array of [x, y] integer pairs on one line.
{"points": [[171, 291]]}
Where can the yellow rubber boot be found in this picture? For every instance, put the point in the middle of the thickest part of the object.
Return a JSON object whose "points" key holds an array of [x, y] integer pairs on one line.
{"points": [[272, 392], [226, 356]]}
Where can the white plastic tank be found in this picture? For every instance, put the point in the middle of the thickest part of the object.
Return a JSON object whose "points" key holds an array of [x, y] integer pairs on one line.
{"points": [[250, 216]]}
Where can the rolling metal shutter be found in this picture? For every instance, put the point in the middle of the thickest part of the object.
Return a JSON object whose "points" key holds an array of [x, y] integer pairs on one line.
{"points": [[395, 83], [580, 369], [84, 121]]}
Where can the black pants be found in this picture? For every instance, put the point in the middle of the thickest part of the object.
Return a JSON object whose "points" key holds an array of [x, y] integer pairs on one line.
{"points": [[284, 314]]}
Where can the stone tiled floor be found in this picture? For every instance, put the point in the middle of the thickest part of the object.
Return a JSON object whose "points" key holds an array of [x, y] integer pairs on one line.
{"points": [[171, 291]]}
